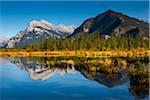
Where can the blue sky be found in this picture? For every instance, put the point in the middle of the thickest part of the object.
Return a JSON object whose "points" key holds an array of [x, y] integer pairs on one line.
{"points": [[15, 16]]}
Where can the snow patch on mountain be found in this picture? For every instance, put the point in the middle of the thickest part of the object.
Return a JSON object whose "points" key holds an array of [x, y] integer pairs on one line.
{"points": [[66, 29], [61, 28]]}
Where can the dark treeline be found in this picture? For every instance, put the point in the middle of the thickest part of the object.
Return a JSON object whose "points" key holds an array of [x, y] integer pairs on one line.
{"points": [[90, 42]]}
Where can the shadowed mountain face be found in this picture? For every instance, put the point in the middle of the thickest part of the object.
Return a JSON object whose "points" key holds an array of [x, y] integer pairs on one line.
{"points": [[114, 24]]}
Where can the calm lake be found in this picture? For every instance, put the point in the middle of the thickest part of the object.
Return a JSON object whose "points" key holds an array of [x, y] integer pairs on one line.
{"points": [[74, 79]]}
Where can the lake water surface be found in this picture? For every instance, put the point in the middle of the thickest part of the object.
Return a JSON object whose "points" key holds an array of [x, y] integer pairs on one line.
{"points": [[73, 79]]}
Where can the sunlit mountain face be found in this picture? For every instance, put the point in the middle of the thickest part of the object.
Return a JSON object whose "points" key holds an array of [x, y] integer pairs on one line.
{"points": [[112, 72], [37, 31]]}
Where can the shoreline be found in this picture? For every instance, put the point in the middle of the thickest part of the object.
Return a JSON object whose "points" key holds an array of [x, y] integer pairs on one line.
{"points": [[88, 54]]}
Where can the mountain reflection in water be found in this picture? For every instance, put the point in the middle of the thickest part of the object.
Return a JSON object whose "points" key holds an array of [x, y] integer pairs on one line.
{"points": [[108, 72]]}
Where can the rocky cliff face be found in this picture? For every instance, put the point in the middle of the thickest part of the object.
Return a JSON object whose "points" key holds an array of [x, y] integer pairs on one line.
{"points": [[38, 31], [114, 24]]}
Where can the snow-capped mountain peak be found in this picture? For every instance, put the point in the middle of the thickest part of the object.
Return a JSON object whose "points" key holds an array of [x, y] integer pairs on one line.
{"points": [[38, 30], [61, 28], [41, 24]]}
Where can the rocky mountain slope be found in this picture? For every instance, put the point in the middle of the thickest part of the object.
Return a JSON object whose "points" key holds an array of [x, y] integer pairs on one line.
{"points": [[38, 31], [111, 23]]}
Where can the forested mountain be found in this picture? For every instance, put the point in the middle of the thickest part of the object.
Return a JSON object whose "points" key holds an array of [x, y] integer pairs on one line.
{"points": [[109, 30]]}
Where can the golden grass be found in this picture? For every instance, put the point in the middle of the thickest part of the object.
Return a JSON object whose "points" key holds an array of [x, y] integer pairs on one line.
{"points": [[99, 54]]}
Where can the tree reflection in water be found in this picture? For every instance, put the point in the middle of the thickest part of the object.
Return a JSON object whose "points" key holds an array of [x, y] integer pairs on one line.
{"points": [[109, 72], [139, 81]]}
